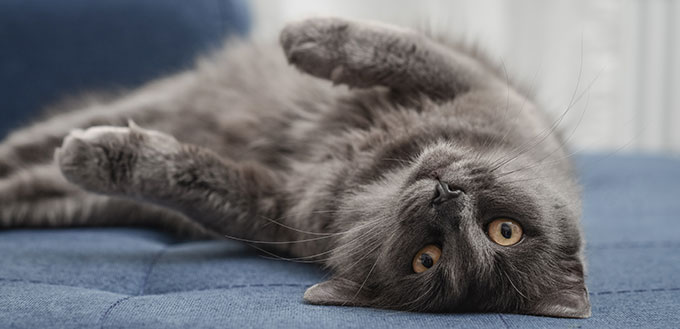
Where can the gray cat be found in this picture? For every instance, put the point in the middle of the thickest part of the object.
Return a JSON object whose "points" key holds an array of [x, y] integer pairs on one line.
{"points": [[420, 177]]}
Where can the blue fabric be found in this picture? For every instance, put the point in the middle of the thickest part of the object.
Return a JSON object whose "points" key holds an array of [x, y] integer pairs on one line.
{"points": [[51, 49], [135, 278]]}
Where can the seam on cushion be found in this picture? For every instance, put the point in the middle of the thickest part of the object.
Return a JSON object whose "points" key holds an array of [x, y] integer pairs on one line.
{"points": [[306, 285], [503, 320], [223, 287], [239, 286], [108, 310], [59, 285], [153, 263]]}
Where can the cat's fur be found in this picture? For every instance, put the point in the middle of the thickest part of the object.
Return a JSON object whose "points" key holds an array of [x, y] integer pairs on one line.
{"points": [[248, 147]]}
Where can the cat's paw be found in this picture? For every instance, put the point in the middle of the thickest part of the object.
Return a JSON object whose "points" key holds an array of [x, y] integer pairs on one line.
{"points": [[113, 160], [359, 54], [98, 158], [317, 46]]}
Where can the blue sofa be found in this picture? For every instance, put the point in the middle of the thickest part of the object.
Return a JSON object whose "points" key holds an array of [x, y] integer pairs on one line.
{"points": [[50, 49], [138, 278]]}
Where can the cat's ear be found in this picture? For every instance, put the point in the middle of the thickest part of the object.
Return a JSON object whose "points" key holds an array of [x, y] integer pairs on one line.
{"points": [[337, 292], [569, 301]]}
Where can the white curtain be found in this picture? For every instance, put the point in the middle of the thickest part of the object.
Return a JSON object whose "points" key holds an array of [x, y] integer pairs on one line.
{"points": [[621, 58]]}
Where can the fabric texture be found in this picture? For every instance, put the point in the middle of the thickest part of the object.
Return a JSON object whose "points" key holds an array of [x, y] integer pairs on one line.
{"points": [[137, 278], [50, 50]]}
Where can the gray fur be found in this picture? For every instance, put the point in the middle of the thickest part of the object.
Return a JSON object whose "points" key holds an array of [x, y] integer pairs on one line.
{"points": [[245, 146]]}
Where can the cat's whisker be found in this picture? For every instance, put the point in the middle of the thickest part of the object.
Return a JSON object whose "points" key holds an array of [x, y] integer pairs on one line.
{"points": [[402, 161], [559, 160], [416, 301], [513, 284], [395, 308], [538, 164], [307, 259], [273, 256], [550, 130], [543, 135], [493, 138], [367, 276], [276, 242], [356, 245], [564, 141], [532, 179], [343, 211], [351, 268], [293, 228], [311, 258], [277, 222], [570, 155], [363, 246], [525, 100], [340, 211], [507, 89]]}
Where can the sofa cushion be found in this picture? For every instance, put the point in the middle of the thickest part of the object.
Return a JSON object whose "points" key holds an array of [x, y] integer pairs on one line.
{"points": [[54, 49], [134, 278]]}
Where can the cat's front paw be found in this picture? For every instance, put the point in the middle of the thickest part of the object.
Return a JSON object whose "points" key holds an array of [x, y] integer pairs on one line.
{"points": [[353, 53], [317, 46], [98, 159]]}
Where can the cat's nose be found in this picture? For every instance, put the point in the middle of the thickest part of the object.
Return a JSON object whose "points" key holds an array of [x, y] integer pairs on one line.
{"points": [[444, 192]]}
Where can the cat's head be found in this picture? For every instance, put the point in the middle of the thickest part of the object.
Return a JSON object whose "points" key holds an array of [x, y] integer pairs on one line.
{"points": [[451, 231]]}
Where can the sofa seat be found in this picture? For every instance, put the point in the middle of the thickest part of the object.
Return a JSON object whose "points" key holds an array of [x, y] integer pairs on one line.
{"points": [[140, 278]]}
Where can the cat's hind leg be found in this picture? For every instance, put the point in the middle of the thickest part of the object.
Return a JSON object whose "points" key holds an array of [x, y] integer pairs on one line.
{"points": [[35, 144], [39, 196], [227, 197], [35, 183]]}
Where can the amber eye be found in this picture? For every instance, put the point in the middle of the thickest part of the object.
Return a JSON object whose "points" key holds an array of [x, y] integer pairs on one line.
{"points": [[505, 232], [426, 258]]}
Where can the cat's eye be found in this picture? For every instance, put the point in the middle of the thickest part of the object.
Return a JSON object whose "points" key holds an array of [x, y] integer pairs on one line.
{"points": [[504, 231], [426, 258]]}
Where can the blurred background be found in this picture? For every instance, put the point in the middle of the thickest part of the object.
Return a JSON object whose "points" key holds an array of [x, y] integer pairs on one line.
{"points": [[618, 61], [622, 55]]}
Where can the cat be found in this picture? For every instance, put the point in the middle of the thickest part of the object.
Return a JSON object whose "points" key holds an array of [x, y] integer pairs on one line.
{"points": [[420, 177]]}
